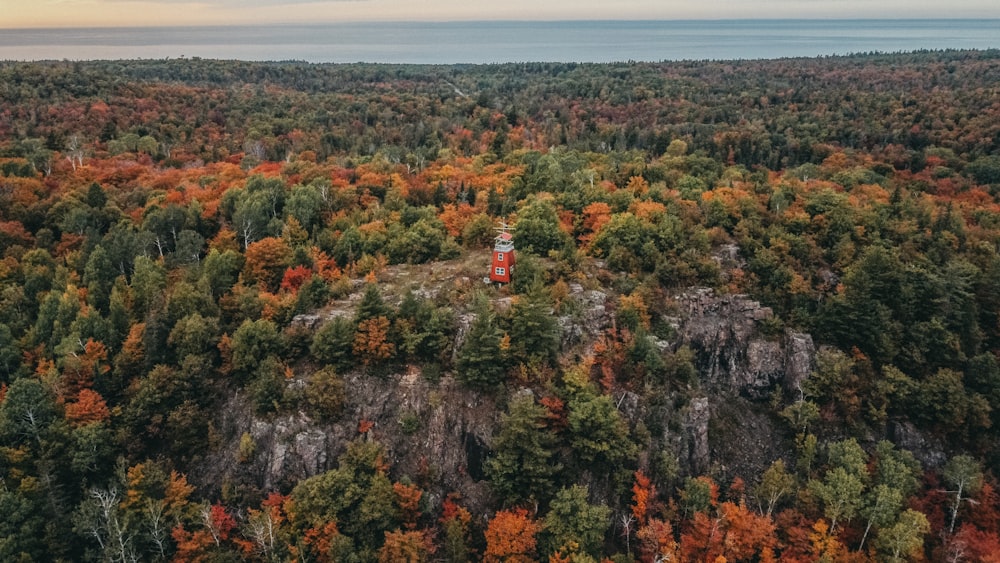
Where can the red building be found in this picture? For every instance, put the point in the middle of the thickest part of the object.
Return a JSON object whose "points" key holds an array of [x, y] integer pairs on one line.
{"points": [[503, 257]]}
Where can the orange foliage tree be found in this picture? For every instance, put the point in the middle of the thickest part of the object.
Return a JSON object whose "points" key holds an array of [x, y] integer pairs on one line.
{"points": [[89, 407], [371, 341], [405, 547], [266, 261], [79, 370], [408, 499], [656, 541], [595, 216], [510, 537], [643, 492], [320, 539], [218, 526]]}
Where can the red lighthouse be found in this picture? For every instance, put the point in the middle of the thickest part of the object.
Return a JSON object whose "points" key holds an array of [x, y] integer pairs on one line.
{"points": [[503, 256]]}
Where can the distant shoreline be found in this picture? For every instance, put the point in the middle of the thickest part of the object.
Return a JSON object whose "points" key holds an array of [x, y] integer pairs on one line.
{"points": [[485, 42]]}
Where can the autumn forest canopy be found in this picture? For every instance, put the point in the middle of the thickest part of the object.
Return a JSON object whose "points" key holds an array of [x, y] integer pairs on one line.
{"points": [[755, 314]]}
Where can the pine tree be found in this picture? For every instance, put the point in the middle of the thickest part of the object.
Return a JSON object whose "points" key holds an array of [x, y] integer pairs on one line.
{"points": [[574, 524], [372, 305], [534, 332], [523, 466], [480, 362]]}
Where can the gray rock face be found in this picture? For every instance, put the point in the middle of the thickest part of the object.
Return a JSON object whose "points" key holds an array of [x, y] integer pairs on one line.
{"points": [[726, 430], [800, 353], [287, 445], [434, 430], [928, 450], [696, 421], [315, 320], [590, 319], [463, 324], [733, 354]]}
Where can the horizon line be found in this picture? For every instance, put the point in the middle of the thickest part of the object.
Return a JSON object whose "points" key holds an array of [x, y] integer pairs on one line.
{"points": [[503, 21]]}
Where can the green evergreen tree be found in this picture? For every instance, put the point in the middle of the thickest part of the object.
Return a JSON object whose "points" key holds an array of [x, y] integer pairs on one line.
{"points": [[480, 359], [22, 527], [194, 334], [598, 435], [538, 229], [10, 354], [325, 394], [357, 495], [149, 284], [573, 525], [534, 331], [221, 270], [99, 276], [333, 342], [252, 342], [372, 305], [523, 466]]}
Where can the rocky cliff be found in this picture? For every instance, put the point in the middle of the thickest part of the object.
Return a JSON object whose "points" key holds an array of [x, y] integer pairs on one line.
{"points": [[439, 433], [435, 432], [734, 354], [728, 429]]}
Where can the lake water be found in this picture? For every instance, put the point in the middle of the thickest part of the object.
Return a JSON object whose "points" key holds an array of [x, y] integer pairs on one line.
{"points": [[497, 42]]}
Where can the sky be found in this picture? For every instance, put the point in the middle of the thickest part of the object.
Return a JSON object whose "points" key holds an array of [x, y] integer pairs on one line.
{"points": [[114, 13]]}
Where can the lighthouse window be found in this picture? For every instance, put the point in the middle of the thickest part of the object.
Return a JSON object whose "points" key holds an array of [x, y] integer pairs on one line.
{"points": [[500, 271], [500, 257]]}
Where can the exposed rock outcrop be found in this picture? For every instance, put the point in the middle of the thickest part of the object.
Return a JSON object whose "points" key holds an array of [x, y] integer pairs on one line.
{"points": [[438, 432], [696, 420], [800, 355], [590, 319], [744, 438], [727, 431], [287, 446], [929, 450], [733, 353]]}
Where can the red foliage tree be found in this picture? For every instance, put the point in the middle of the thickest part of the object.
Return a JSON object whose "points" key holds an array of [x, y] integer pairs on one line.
{"points": [[13, 232], [219, 523], [294, 278], [89, 407], [320, 539], [973, 544], [196, 546]]}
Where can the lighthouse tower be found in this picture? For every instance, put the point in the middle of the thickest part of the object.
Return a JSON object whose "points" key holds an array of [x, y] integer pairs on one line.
{"points": [[503, 255]]}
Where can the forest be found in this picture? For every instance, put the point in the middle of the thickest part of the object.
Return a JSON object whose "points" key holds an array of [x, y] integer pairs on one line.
{"points": [[243, 315]]}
